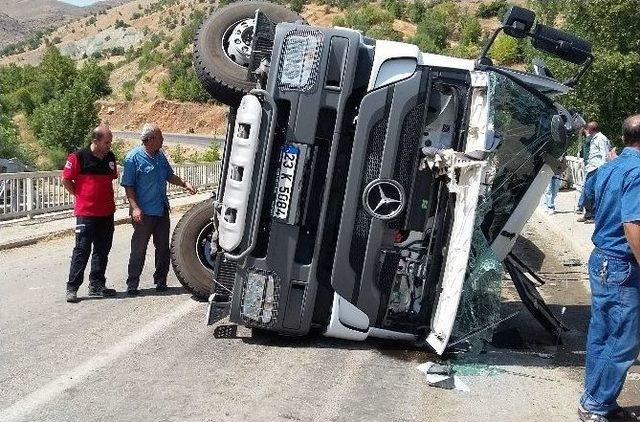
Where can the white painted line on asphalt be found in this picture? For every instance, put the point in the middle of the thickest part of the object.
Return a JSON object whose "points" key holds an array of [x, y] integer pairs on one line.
{"points": [[20, 409]]}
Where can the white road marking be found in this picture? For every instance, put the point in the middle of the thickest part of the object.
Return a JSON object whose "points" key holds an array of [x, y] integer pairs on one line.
{"points": [[20, 409]]}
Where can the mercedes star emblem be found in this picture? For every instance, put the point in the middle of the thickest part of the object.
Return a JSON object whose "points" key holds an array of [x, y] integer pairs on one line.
{"points": [[383, 199]]}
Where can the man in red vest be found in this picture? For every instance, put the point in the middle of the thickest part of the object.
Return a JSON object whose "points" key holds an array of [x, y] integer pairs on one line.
{"points": [[88, 175]]}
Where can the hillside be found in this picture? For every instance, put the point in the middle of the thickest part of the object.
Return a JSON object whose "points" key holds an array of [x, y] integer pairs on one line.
{"points": [[20, 19], [146, 43]]}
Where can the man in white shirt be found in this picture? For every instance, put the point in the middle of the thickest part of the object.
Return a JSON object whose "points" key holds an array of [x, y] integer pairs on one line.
{"points": [[599, 147]]}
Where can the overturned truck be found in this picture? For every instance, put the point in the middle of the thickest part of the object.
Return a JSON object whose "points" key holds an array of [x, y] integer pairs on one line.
{"points": [[370, 189]]}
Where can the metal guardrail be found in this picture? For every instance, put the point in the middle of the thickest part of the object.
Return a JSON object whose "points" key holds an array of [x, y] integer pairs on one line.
{"points": [[575, 170], [40, 192]]}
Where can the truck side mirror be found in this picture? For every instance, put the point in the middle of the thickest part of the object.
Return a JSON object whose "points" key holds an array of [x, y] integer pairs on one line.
{"points": [[518, 22], [561, 44]]}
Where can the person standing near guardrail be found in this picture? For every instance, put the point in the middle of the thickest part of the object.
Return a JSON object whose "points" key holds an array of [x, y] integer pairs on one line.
{"points": [[613, 341], [88, 175], [145, 176], [596, 155]]}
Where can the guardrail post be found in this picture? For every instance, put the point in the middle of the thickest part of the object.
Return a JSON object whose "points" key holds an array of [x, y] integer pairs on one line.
{"points": [[30, 197]]}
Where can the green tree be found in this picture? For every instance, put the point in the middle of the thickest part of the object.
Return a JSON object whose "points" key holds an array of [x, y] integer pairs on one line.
{"points": [[65, 122], [546, 10], [95, 77], [10, 146], [610, 90], [57, 73]]}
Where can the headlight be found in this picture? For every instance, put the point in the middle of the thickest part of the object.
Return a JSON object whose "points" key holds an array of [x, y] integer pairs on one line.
{"points": [[300, 60], [258, 301]]}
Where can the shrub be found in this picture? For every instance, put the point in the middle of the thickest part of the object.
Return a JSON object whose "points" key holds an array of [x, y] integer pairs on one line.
{"points": [[415, 11], [178, 154], [395, 7], [426, 43], [127, 89], [363, 18], [470, 30], [493, 9], [384, 32], [296, 5], [505, 50], [212, 153]]}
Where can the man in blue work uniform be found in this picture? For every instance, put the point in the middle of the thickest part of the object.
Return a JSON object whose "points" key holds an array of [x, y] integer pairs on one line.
{"points": [[613, 341], [145, 177]]}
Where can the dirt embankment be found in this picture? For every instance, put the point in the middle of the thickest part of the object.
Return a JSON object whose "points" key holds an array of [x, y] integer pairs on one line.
{"points": [[171, 116]]}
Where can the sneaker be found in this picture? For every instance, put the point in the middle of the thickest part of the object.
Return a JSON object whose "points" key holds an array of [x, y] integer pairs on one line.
{"points": [[587, 416], [550, 211], [102, 291], [161, 287], [132, 292], [72, 297], [581, 219], [589, 221], [579, 210]]}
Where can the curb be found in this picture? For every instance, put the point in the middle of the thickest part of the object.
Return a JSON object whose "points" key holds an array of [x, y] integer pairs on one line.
{"points": [[70, 231], [583, 251]]}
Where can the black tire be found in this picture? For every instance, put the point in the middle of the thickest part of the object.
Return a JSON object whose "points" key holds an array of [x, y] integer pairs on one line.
{"points": [[223, 79], [192, 273]]}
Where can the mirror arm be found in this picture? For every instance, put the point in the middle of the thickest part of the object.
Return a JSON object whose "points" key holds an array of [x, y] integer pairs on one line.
{"points": [[574, 79], [481, 61]]}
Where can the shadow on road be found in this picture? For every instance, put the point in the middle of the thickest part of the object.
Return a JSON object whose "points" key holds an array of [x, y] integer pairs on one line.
{"points": [[171, 291]]}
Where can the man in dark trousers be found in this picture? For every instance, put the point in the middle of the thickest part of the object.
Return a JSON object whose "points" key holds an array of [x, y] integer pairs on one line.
{"points": [[88, 175], [613, 341], [145, 177]]}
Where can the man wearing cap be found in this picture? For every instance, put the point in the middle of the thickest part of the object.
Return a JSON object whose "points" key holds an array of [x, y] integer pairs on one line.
{"points": [[145, 177], [88, 175]]}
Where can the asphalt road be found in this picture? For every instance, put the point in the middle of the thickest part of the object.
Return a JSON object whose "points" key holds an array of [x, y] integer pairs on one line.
{"points": [[176, 138], [153, 358]]}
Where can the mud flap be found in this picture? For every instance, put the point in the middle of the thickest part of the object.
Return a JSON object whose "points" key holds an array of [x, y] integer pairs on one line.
{"points": [[521, 277], [219, 308]]}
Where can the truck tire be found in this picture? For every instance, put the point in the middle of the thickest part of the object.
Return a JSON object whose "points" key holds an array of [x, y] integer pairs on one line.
{"points": [[189, 250], [223, 74]]}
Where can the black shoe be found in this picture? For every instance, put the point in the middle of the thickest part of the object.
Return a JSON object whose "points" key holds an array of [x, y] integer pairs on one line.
{"points": [[102, 291], [162, 287], [72, 297], [132, 292], [586, 416]]}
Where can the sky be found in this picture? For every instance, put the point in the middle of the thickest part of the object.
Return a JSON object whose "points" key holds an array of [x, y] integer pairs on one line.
{"points": [[80, 2]]}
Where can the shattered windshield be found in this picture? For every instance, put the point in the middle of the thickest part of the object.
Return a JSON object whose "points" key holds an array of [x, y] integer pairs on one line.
{"points": [[522, 133]]}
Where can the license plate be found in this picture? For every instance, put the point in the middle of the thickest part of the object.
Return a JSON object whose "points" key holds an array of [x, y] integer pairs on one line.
{"points": [[286, 177]]}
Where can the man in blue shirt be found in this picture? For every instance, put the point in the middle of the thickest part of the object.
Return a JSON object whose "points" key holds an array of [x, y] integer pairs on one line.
{"points": [[145, 176], [598, 151], [613, 341]]}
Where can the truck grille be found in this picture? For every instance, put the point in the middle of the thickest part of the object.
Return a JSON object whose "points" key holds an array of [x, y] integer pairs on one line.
{"points": [[375, 149], [407, 155]]}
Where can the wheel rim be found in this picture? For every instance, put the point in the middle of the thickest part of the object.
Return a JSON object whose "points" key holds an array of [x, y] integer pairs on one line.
{"points": [[236, 42], [203, 247]]}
